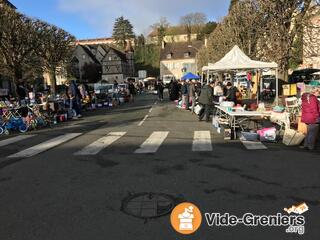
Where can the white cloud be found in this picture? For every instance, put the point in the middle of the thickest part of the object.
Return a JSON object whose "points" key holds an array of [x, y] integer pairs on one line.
{"points": [[100, 14]]}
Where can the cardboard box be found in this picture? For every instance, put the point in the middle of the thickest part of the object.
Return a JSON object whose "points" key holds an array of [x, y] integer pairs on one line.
{"points": [[289, 89], [292, 137], [302, 127]]}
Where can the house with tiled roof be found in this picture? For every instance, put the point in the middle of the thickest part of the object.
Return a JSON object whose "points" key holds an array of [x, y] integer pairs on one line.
{"points": [[114, 64], [176, 59], [173, 34], [7, 3]]}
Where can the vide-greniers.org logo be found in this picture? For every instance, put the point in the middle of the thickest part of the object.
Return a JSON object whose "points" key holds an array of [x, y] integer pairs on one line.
{"points": [[294, 223], [186, 219]]}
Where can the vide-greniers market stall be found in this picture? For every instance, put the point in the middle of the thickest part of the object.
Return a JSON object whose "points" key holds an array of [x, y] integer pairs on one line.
{"points": [[263, 123]]}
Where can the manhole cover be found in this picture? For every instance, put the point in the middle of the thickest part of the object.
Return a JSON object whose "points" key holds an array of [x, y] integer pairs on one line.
{"points": [[148, 205]]}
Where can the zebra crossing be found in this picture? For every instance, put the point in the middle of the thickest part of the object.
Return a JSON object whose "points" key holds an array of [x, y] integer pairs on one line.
{"points": [[32, 151], [202, 142], [97, 146]]}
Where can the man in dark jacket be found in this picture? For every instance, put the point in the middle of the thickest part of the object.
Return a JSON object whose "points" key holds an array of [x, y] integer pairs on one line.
{"points": [[132, 90], [206, 99], [231, 95], [75, 97], [160, 90], [311, 117]]}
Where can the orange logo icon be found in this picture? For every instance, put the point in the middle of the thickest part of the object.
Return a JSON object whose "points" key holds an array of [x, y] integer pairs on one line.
{"points": [[186, 218]]}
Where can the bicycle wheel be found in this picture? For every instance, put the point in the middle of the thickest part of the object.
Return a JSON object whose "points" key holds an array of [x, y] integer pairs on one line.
{"points": [[1, 130], [23, 128]]}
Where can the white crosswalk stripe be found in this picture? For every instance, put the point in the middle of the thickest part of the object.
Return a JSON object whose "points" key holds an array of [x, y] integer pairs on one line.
{"points": [[32, 151], [14, 140], [95, 147], [254, 145], [152, 144], [202, 141]]}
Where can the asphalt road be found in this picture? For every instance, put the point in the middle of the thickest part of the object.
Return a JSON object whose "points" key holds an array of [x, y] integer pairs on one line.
{"points": [[56, 191]]}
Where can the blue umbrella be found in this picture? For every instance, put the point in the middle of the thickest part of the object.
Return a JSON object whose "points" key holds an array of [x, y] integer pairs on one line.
{"points": [[190, 76]]}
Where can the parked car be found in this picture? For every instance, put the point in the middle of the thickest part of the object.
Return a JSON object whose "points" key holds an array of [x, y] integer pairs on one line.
{"points": [[303, 75]]}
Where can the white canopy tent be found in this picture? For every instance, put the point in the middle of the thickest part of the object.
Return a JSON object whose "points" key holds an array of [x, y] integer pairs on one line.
{"points": [[238, 60]]}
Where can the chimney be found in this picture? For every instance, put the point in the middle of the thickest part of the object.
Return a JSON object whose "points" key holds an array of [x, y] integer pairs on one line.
{"points": [[206, 42], [163, 44]]}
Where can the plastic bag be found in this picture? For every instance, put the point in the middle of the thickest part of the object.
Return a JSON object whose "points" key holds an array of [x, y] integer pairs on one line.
{"points": [[268, 134]]}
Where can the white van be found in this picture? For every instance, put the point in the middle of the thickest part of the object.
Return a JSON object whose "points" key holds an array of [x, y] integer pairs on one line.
{"points": [[167, 79]]}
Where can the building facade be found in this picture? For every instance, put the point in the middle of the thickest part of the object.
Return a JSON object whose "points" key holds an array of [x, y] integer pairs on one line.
{"points": [[174, 34], [177, 59], [114, 64], [7, 3], [311, 44]]}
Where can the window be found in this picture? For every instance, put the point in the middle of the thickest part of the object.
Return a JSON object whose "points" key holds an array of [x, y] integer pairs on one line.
{"points": [[187, 54], [110, 58], [169, 55]]}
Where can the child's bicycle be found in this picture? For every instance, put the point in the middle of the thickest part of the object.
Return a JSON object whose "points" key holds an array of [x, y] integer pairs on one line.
{"points": [[13, 124]]}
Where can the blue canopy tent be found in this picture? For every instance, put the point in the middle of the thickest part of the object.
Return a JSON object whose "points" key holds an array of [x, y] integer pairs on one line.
{"points": [[190, 76]]}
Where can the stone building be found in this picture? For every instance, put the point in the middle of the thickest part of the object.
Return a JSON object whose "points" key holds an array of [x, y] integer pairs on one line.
{"points": [[176, 59], [173, 34]]}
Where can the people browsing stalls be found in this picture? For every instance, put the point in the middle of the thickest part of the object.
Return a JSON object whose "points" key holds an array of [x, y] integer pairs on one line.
{"points": [[160, 90], [231, 93], [192, 95], [185, 94], [218, 91], [74, 95], [206, 100], [311, 117]]}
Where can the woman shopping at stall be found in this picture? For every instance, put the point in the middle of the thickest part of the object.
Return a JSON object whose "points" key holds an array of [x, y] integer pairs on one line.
{"points": [[311, 117]]}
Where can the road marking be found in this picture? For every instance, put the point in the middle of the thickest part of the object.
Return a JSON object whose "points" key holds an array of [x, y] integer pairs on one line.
{"points": [[143, 120], [14, 139], [254, 145], [202, 141], [100, 144], [150, 110], [29, 152], [152, 144]]}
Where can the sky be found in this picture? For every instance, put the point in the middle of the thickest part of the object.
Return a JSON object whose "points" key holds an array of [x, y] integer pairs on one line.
{"points": [[95, 18]]}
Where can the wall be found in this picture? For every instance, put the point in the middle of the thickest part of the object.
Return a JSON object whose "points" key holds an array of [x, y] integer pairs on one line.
{"points": [[174, 67]]}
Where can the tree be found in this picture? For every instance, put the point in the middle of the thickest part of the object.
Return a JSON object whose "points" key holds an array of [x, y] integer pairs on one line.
{"points": [[161, 29], [284, 22], [193, 21], [56, 50], [19, 44], [147, 57], [122, 31], [28, 46], [233, 3], [265, 29], [207, 29]]}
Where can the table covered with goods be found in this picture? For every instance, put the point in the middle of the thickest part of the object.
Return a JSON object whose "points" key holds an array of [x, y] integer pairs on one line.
{"points": [[266, 123], [22, 117]]}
